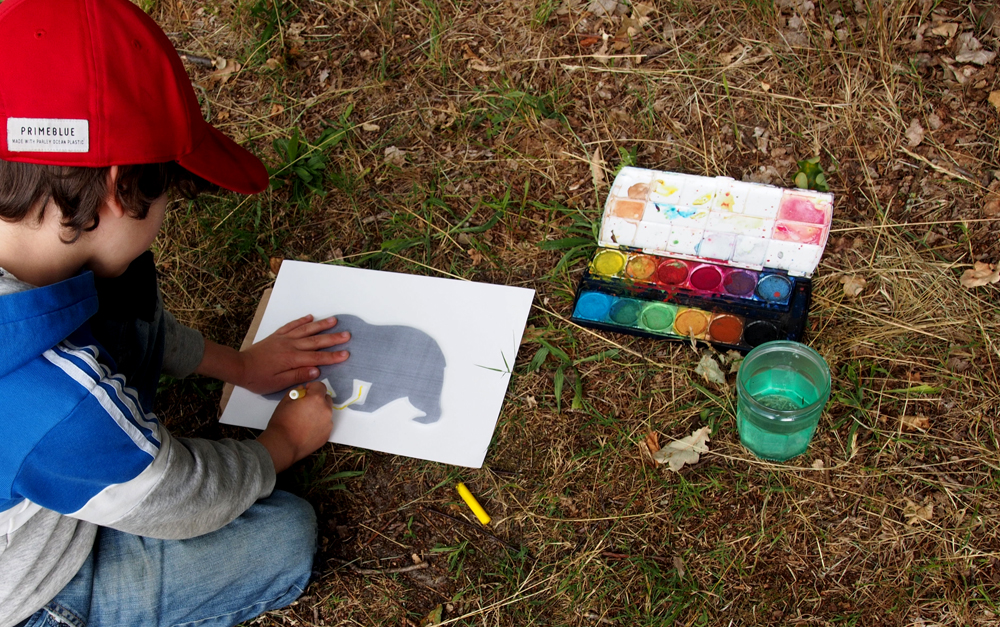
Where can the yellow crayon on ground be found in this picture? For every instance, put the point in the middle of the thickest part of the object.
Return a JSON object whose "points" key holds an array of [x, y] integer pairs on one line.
{"points": [[473, 504]]}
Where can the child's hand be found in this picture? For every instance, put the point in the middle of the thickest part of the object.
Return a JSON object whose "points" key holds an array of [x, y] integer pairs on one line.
{"points": [[290, 355], [298, 427]]}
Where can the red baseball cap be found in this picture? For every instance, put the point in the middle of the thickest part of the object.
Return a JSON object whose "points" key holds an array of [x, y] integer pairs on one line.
{"points": [[96, 83]]}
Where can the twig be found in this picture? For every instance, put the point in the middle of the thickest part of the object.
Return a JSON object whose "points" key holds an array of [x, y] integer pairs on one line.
{"points": [[389, 571], [196, 60], [624, 556], [478, 528], [943, 170]]}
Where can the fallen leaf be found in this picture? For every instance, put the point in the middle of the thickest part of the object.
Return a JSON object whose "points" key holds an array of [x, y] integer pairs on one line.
{"points": [[957, 364], [727, 57], [684, 451], [597, 167], [276, 109], [679, 566], [762, 138], [479, 66], [272, 64], [853, 285], [477, 257], [275, 263], [433, 617], [947, 30], [995, 100], [992, 205], [395, 156], [601, 8], [709, 369], [368, 127], [981, 274], [765, 86], [917, 513], [915, 134], [818, 464], [653, 442], [971, 51], [916, 423], [225, 71]]}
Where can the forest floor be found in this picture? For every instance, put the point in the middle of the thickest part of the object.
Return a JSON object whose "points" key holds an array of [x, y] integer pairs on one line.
{"points": [[477, 139]]}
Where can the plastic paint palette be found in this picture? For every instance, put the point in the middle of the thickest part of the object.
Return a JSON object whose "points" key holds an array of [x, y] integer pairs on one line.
{"points": [[706, 258]]}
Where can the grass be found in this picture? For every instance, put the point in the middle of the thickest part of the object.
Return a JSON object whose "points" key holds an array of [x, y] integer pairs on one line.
{"points": [[499, 109]]}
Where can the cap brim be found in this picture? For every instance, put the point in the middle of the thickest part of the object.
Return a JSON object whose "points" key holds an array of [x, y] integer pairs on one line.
{"points": [[222, 161]]}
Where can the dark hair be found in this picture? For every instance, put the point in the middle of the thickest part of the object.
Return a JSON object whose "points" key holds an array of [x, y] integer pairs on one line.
{"points": [[80, 192]]}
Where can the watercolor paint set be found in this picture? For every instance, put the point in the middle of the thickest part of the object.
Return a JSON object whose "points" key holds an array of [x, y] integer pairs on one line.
{"points": [[713, 259]]}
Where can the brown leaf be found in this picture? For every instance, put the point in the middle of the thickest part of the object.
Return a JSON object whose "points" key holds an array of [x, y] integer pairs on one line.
{"points": [[477, 257], [276, 264], [916, 423], [853, 285], [225, 71], [597, 167], [947, 30], [991, 208], [957, 364], [995, 99], [917, 513], [276, 109], [915, 133], [395, 156], [653, 442], [679, 566], [981, 274]]}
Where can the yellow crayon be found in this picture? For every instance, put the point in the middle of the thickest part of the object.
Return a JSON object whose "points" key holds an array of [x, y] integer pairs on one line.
{"points": [[473, 504], [297, 393]]}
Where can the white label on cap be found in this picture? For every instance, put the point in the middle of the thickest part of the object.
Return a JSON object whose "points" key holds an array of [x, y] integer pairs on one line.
{"points": [[46, 135]]}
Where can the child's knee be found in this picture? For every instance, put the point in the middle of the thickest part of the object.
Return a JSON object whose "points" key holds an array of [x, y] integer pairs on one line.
{"points": [[296, 519]]}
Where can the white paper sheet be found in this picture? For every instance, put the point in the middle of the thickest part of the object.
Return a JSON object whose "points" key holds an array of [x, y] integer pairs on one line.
{"points": [[477, 327]]}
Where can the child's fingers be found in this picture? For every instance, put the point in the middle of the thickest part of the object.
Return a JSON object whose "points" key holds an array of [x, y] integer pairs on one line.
{"points": [[310, 328], [298, 322], [321, 341]]}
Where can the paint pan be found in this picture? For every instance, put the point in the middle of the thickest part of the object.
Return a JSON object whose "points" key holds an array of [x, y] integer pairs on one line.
{"points": [[726, 328], [625, 311], [706, 278], [672, 272], [760, 331], [740, 283], [641, 267], [608, 263], [774, 288], [658, 317], [691, 322], [593, 306]]}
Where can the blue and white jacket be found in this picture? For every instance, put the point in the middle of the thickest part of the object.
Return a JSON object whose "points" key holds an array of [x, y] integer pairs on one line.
{"points": [[77, 449]]}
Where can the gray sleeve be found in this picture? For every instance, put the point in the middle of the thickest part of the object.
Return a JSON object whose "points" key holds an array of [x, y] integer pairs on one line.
{"points": [[183, 347], [201, 487]]}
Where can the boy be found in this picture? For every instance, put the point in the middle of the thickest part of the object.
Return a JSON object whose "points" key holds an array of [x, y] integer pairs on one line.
{"points": [[106, 518]]}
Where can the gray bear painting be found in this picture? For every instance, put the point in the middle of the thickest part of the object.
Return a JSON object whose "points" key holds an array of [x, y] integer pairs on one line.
{"points": [[387, 363]]}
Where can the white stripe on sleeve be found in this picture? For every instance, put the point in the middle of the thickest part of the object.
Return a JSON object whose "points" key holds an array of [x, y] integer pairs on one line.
{"points": [[115, 501], [113, 410]]}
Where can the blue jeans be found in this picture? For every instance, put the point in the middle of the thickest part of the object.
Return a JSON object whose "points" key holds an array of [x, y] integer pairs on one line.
{"points": [[261, 561]]}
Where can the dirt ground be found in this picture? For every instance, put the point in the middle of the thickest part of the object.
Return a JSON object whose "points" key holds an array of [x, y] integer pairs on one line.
{"points": [[477, 139]]}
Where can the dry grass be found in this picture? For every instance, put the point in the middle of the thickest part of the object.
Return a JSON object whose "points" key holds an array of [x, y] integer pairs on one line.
{"points": [[500, 109]]}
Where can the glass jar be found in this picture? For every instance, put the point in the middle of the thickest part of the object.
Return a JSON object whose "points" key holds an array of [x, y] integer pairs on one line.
{"points": [[781, 390]]}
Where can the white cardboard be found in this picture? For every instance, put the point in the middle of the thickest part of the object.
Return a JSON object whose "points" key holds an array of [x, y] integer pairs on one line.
{"points": [[477, 326]]}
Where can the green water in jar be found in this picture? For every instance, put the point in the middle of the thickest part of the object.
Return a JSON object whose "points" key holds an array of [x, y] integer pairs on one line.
{"points": [[780, 420]]}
